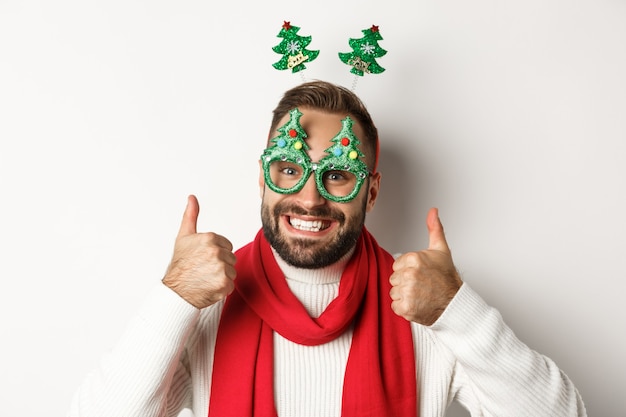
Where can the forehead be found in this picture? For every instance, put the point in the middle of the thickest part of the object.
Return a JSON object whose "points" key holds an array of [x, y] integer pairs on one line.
{"points": [[319, 124]]}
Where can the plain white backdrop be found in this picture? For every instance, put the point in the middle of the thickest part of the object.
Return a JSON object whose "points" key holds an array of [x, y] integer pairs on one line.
{"points": [[508, 115]]}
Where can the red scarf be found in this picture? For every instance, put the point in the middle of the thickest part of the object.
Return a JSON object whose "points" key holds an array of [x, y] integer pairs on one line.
{"points": [[380, 374]]}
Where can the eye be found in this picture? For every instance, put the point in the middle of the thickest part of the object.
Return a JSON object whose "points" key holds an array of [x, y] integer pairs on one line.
{"points": [[337, 176], [290, 170], [286, 169]]}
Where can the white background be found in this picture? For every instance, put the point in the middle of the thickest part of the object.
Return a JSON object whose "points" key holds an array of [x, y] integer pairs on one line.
{"points": [[508, 115]]}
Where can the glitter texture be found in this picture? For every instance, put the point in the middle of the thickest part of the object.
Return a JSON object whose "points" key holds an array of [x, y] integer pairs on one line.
{"points": [[293, 49], [343, 155], [365, 50]]}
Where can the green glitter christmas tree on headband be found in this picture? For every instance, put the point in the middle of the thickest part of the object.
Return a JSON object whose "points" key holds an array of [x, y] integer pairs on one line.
{"points": [[293, 49], [365, 50], [362, 59]]}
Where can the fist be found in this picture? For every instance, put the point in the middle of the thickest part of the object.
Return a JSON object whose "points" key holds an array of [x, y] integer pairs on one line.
{"points": [[202, 269], [423, 283]]}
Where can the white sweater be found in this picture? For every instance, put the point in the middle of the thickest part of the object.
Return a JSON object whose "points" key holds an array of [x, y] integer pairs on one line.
{"points": [[163, 362]]}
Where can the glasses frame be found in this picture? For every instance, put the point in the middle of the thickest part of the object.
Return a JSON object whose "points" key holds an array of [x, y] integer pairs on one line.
{"points": [[325, 165]]}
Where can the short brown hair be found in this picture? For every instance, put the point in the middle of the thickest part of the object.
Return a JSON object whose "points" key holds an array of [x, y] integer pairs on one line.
{"points": [[322, 95]]}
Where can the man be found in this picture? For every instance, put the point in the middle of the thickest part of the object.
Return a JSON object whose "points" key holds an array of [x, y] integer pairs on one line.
{"points": [[313, 318]]}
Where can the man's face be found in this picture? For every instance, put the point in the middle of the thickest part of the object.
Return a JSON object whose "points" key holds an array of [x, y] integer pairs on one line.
{"points": [[305, 229]]}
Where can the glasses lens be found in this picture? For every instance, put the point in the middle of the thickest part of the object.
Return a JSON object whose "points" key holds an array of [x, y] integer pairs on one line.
{"points": [[285, 174], [339, 183]]}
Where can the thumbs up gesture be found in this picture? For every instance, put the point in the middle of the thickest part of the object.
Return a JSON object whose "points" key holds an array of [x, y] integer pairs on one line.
{"points": [[202, 269], [424, 282]]}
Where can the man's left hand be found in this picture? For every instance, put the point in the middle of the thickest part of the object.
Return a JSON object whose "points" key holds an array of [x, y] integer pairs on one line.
{"points": [[424, 282]]}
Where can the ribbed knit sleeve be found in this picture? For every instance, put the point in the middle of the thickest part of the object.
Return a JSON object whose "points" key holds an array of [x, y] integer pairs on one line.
{"points": [[163, 363], [496, 374], [143, 376]]}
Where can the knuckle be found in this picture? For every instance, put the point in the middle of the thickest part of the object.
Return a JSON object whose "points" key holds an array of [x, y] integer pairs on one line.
{"points": [[412, 258], [394, 293], [212, 251], [231, 272], [400, 308], [207, 238], [408, 275]]}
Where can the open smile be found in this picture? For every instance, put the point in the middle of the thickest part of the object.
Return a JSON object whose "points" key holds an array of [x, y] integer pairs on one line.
{"points": [[309, 225], [315, 226]]}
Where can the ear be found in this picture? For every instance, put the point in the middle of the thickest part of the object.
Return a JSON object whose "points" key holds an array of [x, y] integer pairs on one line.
{"points": [[261, 180], [372, 192]]}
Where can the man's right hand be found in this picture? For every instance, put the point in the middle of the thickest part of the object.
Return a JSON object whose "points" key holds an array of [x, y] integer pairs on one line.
{"points": [[202, 269]]}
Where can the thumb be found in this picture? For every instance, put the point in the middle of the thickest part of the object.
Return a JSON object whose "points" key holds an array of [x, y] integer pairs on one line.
{"points": [[436, 236], [190, 217]]}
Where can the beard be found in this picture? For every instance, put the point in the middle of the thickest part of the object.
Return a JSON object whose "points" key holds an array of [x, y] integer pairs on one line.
{"points": [[309, 253]]}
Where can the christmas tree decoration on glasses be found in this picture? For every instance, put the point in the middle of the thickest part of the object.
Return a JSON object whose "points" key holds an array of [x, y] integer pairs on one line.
{"points": [[338, 176]]}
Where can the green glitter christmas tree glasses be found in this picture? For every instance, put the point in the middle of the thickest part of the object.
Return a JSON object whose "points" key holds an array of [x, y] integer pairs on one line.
{"points": [[338, 176]]}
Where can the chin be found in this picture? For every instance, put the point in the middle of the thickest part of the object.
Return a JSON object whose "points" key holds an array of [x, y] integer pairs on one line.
{"points": [[311, 252]]}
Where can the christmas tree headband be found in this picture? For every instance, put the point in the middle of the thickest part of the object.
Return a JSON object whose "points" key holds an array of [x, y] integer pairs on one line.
{"points": [[362, 59]]}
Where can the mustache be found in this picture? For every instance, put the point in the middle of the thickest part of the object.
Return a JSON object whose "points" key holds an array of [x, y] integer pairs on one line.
{"points": [[325, 212]]}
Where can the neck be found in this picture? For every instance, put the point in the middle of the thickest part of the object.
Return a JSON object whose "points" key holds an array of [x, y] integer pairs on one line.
{"points": [[314, 288]]}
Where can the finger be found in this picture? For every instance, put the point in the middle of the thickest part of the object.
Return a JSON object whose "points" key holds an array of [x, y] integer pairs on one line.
{"points": [[395, 294], [407, 260], [190, 217], [394, 279], [436, 236], [220, 241], [231, 272]]}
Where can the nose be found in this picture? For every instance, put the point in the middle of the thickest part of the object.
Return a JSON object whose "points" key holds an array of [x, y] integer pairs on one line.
{"points": [[309, 196]]}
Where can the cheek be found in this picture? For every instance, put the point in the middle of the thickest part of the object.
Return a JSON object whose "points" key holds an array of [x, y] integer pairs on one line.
{"points": [[355, 209], [270, 199]]}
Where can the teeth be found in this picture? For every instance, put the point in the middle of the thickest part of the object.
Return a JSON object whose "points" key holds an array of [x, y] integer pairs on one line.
{"points": [[309, 226]]}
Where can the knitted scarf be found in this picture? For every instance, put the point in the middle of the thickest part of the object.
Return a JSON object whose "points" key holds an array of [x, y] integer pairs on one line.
{"points": [[380, 377]]}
